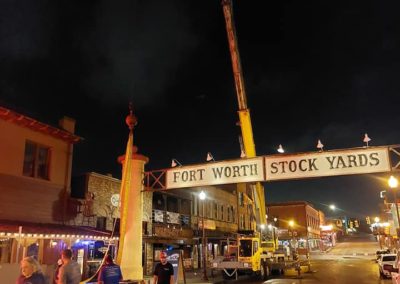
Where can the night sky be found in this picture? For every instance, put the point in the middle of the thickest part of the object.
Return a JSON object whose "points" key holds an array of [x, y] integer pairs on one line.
{"points": [[313, 70]]}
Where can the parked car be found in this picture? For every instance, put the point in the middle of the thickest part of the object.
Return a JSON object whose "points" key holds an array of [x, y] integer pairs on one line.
{"points": [[380, 252], [386, 264]]}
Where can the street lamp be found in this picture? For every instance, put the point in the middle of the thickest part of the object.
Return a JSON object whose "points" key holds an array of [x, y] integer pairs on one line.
{"points": [[393, 183], [332, 207], [202, 197]]}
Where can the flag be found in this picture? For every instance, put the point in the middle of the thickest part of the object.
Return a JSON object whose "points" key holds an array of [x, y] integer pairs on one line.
{"points": [[124, 193]]}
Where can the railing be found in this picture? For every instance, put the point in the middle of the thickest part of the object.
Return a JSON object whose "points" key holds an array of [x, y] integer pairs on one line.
{"points": [[154, 180], [166, 217]]}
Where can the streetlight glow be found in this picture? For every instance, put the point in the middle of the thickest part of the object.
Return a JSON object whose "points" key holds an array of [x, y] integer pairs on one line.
{"points": [[202, 195], [376, 219], [393, 182], [332, 207], [291, 223]]}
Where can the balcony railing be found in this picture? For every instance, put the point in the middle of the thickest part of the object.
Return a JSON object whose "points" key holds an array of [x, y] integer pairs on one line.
{"points": [[166, 217]]}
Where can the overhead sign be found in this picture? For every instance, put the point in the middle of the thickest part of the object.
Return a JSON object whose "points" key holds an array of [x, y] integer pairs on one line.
{"points": [[282, 167], [330, 163], [214, 173]]}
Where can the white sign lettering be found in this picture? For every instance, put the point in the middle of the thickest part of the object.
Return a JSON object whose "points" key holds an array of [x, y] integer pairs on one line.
{"points": [[226, 172], [327, 163]]}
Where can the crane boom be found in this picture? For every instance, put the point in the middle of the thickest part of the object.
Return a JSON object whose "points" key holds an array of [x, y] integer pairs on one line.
{"points": [[244, 112]]}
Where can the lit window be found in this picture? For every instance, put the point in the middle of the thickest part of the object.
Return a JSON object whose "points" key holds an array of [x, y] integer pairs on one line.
{"points": [[36, 160]]}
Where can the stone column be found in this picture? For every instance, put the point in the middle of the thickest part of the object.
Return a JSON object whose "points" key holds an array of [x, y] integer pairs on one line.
{"points": [[131, 262]]}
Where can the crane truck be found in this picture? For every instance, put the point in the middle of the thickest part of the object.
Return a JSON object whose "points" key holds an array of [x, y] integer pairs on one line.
{"points": [[255, 250]]}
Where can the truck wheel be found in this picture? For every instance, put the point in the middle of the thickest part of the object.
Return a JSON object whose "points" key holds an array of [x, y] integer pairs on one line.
{"points": [[264, 271]]}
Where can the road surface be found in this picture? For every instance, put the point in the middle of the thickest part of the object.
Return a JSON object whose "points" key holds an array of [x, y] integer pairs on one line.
{"points": [[350, 261]]}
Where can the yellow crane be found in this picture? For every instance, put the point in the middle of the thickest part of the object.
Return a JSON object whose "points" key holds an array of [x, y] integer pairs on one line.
{"points": [[244, 112], [254, 252]]}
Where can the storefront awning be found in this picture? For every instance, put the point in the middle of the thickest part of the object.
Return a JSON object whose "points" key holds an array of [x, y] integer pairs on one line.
{"points": [[13, 229]]}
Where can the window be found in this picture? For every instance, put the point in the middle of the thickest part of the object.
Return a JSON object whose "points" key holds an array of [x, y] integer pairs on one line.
{"points": [[245, 248], [209, 210], [241, 201], [195, 207], [172, 204], [185, 206], [158, 201], [233, 215], [255, 247], [36, 160], [241, 221]]}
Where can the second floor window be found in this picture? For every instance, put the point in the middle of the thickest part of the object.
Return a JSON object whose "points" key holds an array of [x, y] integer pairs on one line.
{"points": [[241, 221], [36, 160], [241, 199]]}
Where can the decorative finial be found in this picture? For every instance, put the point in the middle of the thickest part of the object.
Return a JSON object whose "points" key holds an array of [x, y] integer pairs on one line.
{"points": [[320, 146], [131, 120], [366, 139]]}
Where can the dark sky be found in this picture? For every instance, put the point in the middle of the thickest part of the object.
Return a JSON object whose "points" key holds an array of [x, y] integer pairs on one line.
{"points": [[313, 70]]}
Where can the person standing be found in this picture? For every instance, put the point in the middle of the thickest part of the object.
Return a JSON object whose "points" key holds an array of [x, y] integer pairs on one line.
{"points": [[30, 272], [164, 271], [110, 273], [56, 272], [70, 272]]}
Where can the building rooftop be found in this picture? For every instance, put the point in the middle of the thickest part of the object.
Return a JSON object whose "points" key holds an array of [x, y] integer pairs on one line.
{"points": [[28, 122], [286, 203]]}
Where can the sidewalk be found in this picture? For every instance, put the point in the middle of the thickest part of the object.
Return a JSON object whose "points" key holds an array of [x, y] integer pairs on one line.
{"points": [[195, 277]]}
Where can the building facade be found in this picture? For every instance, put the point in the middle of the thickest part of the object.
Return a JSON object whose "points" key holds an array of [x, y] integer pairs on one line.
{"points": [[172, 220], [298, 224], [35, 176]]}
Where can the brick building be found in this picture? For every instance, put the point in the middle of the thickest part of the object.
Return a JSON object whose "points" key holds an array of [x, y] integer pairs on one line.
{"points": [[297, 221]]}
